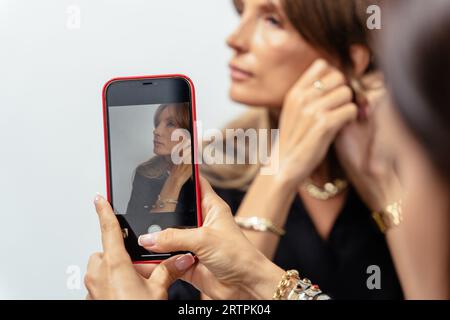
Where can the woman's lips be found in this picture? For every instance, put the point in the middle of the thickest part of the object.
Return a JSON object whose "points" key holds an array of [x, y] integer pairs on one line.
{"points": [[157, 143], [238, 74]]}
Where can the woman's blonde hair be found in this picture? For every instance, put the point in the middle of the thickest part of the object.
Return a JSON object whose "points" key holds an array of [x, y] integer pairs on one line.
{"points": [[239, 176]]}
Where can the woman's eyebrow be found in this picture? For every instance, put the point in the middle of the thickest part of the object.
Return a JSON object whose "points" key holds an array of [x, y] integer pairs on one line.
{"points": [[238, 4], [267, 6], [270, 6]]}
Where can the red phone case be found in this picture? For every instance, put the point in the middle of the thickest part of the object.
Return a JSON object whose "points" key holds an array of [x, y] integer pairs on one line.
{"points": [[194, 130]]}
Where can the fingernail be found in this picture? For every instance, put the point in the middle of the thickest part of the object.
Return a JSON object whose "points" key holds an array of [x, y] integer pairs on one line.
{"points": [[98, 198], [147, 240], [184, 262], [320, 63]]}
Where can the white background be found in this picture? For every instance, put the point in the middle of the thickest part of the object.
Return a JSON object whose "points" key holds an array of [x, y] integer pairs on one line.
{"points": [[131, 138], [52, 156]]}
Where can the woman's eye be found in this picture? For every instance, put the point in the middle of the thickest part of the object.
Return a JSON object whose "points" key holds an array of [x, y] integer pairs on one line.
{"points": [[273, 20], [170, 124]]}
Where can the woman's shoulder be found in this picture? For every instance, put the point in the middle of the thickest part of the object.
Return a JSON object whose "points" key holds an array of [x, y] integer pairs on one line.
{"points": [[255, 118], [154, 168], [141, 178]]}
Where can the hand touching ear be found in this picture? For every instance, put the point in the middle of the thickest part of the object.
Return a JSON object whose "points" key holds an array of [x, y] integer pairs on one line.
{"points": [[361, 153]]}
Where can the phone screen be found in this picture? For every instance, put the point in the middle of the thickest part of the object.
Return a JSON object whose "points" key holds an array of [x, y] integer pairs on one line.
{"points": [[152, 179]]}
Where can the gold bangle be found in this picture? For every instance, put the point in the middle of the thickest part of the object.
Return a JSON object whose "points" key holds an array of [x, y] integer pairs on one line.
{"points": [[161, 203], [259, 224], [390, 217]]}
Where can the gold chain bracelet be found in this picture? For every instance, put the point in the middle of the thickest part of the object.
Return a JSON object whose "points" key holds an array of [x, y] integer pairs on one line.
{"points": [[288, 281], [292, 287]]}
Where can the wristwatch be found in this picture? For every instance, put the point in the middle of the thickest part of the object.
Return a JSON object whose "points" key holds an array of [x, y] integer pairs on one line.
{"points": [[390, 217]]}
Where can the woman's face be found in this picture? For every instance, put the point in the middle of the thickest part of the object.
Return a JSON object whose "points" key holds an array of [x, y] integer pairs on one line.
{"points": [[269, 54], [165, 125]]}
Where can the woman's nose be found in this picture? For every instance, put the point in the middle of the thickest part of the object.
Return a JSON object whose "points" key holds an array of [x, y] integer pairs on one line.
{"points": [[239, 39]]}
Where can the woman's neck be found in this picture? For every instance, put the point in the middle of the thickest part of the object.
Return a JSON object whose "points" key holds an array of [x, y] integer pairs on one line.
{"points": [[321, 174], [274, 117], [168, 160]]}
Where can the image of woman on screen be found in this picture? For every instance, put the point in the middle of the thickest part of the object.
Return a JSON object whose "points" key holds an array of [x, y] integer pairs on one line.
{"points": [[159, 185]]}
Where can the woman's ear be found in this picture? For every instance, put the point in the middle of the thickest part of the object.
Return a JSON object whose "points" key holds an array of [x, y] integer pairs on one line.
{"points": [[360, 57]]}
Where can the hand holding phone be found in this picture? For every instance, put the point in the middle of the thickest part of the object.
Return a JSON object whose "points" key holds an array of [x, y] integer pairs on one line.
{"points": [[110, 274], [150, 143]]}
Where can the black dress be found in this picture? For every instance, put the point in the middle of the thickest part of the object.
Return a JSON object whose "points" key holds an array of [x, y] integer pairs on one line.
{"points": [[144, 195], [339, 264]]}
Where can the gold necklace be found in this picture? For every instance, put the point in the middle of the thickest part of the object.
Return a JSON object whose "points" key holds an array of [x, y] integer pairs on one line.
{"points": [[328, 191]]}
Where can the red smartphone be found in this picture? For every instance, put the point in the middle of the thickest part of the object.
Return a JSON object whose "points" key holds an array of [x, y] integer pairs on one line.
{"points": [[151, 158]]}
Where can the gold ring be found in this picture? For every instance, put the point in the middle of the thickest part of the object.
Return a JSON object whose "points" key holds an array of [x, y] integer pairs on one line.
{"points": [[318, 84]]}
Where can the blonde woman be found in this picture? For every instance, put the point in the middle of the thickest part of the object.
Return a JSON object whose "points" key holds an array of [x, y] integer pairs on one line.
{"points": [[159, 185]]}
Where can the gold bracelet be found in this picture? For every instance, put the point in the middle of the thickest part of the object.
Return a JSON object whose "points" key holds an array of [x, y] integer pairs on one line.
{"points": [[259, 224], [292, 287], [288, 282], [390, 217], [161, 203]]}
